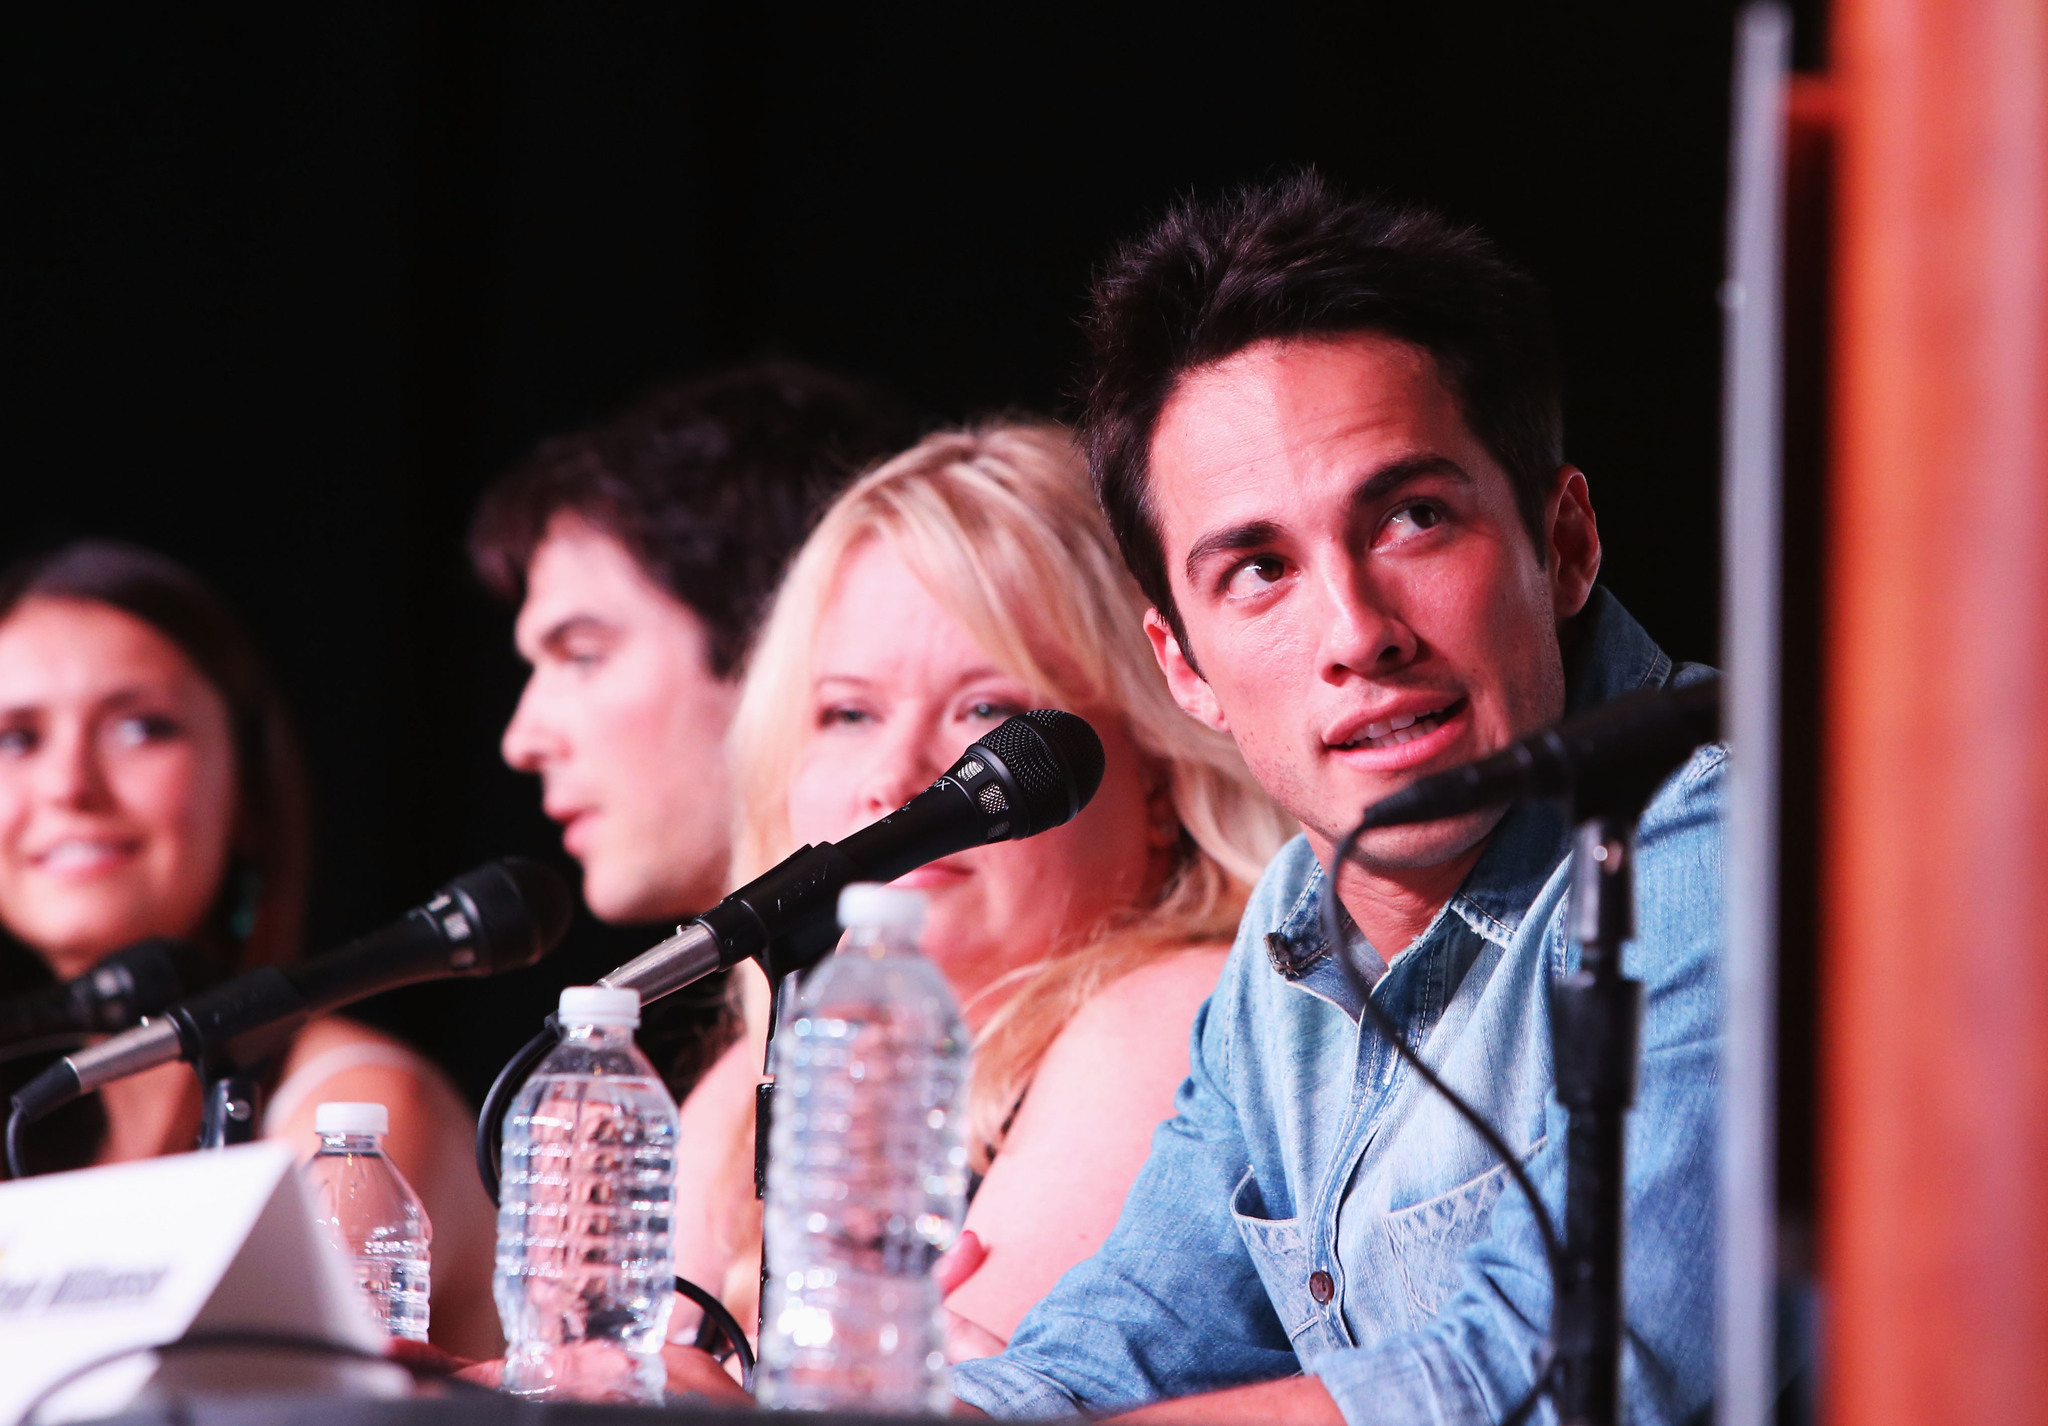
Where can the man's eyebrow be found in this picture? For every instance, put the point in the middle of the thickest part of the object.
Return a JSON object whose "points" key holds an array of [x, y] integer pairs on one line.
{"points": [[1375, 487], [563, 629], [1229, 541], [1391, 477], [131, 693]]}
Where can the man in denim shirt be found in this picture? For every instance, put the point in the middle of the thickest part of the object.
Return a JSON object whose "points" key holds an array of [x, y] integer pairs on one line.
{"points": [[1328, 434]]}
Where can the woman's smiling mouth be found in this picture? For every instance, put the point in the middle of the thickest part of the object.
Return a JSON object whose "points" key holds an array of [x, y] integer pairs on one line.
{"points": [[75, 856]]}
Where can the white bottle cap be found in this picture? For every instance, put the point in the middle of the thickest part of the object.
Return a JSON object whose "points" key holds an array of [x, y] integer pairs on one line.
{"points": [[351, 1119], [599, 1005], [883, 908]]}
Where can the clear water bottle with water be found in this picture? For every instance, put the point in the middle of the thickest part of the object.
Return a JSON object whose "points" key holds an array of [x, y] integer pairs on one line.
{"points": [[867, 1170], [585, 1266], [372, 1214]]}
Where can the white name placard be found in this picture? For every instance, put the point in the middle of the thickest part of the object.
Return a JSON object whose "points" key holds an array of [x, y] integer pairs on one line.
{"points": [[136, 1255]]}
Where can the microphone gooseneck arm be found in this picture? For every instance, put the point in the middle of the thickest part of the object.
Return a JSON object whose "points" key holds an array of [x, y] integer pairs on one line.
{"points": [[1032, 772], [784, 917], [152, 1043], [787, 917], [1607, 759], [692, 953], [239, 1021], [500, 916]]}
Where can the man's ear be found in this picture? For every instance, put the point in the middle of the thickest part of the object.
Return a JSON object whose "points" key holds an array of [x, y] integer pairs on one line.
{"points": [[1573, 542], [1190, 690]]}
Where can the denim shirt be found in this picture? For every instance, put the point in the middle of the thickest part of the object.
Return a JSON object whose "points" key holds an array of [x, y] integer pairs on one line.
{"points": [[1312, 1206]]}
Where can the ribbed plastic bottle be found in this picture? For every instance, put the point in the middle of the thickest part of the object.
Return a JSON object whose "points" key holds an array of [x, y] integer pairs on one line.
{"points": [[586, 1204], [372, 1214], [867, 1170]]}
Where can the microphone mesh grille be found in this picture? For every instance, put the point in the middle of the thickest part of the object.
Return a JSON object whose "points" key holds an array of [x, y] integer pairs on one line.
{"points": [[1076, 745], [1055, 762]]}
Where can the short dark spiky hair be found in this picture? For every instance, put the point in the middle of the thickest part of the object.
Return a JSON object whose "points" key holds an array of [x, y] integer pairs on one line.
{"points": [[711, 482], [1300, 257]]}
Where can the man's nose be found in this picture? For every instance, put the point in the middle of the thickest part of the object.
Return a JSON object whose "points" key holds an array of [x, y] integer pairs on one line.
{"points": [[1363, 635], [531, 741]]}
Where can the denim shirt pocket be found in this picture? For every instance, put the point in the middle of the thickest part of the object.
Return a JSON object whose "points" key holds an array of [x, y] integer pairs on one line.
{"points": [[1427, 1240], [1282, 1252]]}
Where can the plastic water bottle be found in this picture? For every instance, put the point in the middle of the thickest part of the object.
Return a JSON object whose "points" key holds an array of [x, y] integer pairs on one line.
{"points": [[372, 1214], [585, 1271], [867, 1170]]}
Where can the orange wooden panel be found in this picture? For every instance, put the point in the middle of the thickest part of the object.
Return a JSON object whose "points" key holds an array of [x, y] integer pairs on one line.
{"points": [[1935, 911]]}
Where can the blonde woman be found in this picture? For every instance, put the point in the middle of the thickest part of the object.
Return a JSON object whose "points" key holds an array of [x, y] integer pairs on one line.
{"points": [[966, 580]]}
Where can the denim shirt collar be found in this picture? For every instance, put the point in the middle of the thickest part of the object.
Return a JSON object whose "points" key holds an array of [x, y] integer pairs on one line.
{"points": [[1616, 656]]}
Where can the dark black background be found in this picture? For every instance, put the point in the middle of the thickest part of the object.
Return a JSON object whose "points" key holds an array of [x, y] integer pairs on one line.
{"points": [[284, 287]]}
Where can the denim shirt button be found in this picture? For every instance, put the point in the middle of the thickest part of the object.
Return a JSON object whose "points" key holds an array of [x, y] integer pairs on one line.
{"points": [[1320, 1287]]}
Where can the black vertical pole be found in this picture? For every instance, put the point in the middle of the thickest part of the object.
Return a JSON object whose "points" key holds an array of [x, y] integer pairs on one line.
{"points": [[234, 1104], [764, 1115], [1595, 1017]]}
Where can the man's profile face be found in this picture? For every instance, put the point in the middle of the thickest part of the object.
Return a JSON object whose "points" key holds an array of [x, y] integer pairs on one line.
{"points": [[625, 723], [1361, 596]]}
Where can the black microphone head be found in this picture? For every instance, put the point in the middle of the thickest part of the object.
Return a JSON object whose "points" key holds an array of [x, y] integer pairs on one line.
{"points": [[521, 908], [1607, 760], [1047, 764], [144, 978]]}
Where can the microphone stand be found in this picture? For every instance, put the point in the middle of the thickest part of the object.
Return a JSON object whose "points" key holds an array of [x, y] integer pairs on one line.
{"points": [[232, 1112], [1596, 1014], [785, 961], [764, 1113], [1608, 763], [242, 1034]]}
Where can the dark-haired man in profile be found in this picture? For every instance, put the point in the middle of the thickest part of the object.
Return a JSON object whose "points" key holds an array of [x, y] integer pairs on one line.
{"points": [[642, 553], [1328, 434]]}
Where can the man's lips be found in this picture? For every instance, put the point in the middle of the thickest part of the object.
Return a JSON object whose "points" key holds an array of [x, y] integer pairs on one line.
{"points": [[1396, 739], [575, 825]]}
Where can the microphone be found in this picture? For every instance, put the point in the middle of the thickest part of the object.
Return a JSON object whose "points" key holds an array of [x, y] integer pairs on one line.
{"points": [[1031, 773], [133, 982], [501, 916], [1606, 760]]}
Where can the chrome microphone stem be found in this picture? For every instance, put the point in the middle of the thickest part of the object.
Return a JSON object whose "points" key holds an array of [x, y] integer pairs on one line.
{"points": [[152, 1043], [689, 955]]}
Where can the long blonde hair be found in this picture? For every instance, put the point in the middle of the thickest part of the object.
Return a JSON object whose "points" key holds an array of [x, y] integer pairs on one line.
{"points": [[999, 524]]}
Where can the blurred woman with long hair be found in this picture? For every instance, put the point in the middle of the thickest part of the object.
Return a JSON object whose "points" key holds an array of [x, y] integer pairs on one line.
{"points": [[150, 786]]}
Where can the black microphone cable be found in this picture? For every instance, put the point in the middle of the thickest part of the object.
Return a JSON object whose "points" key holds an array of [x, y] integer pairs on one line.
{"points": [[1546, 1226], [1612, 756], [499, 1102], [239, 1339], [17, 1161]]}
